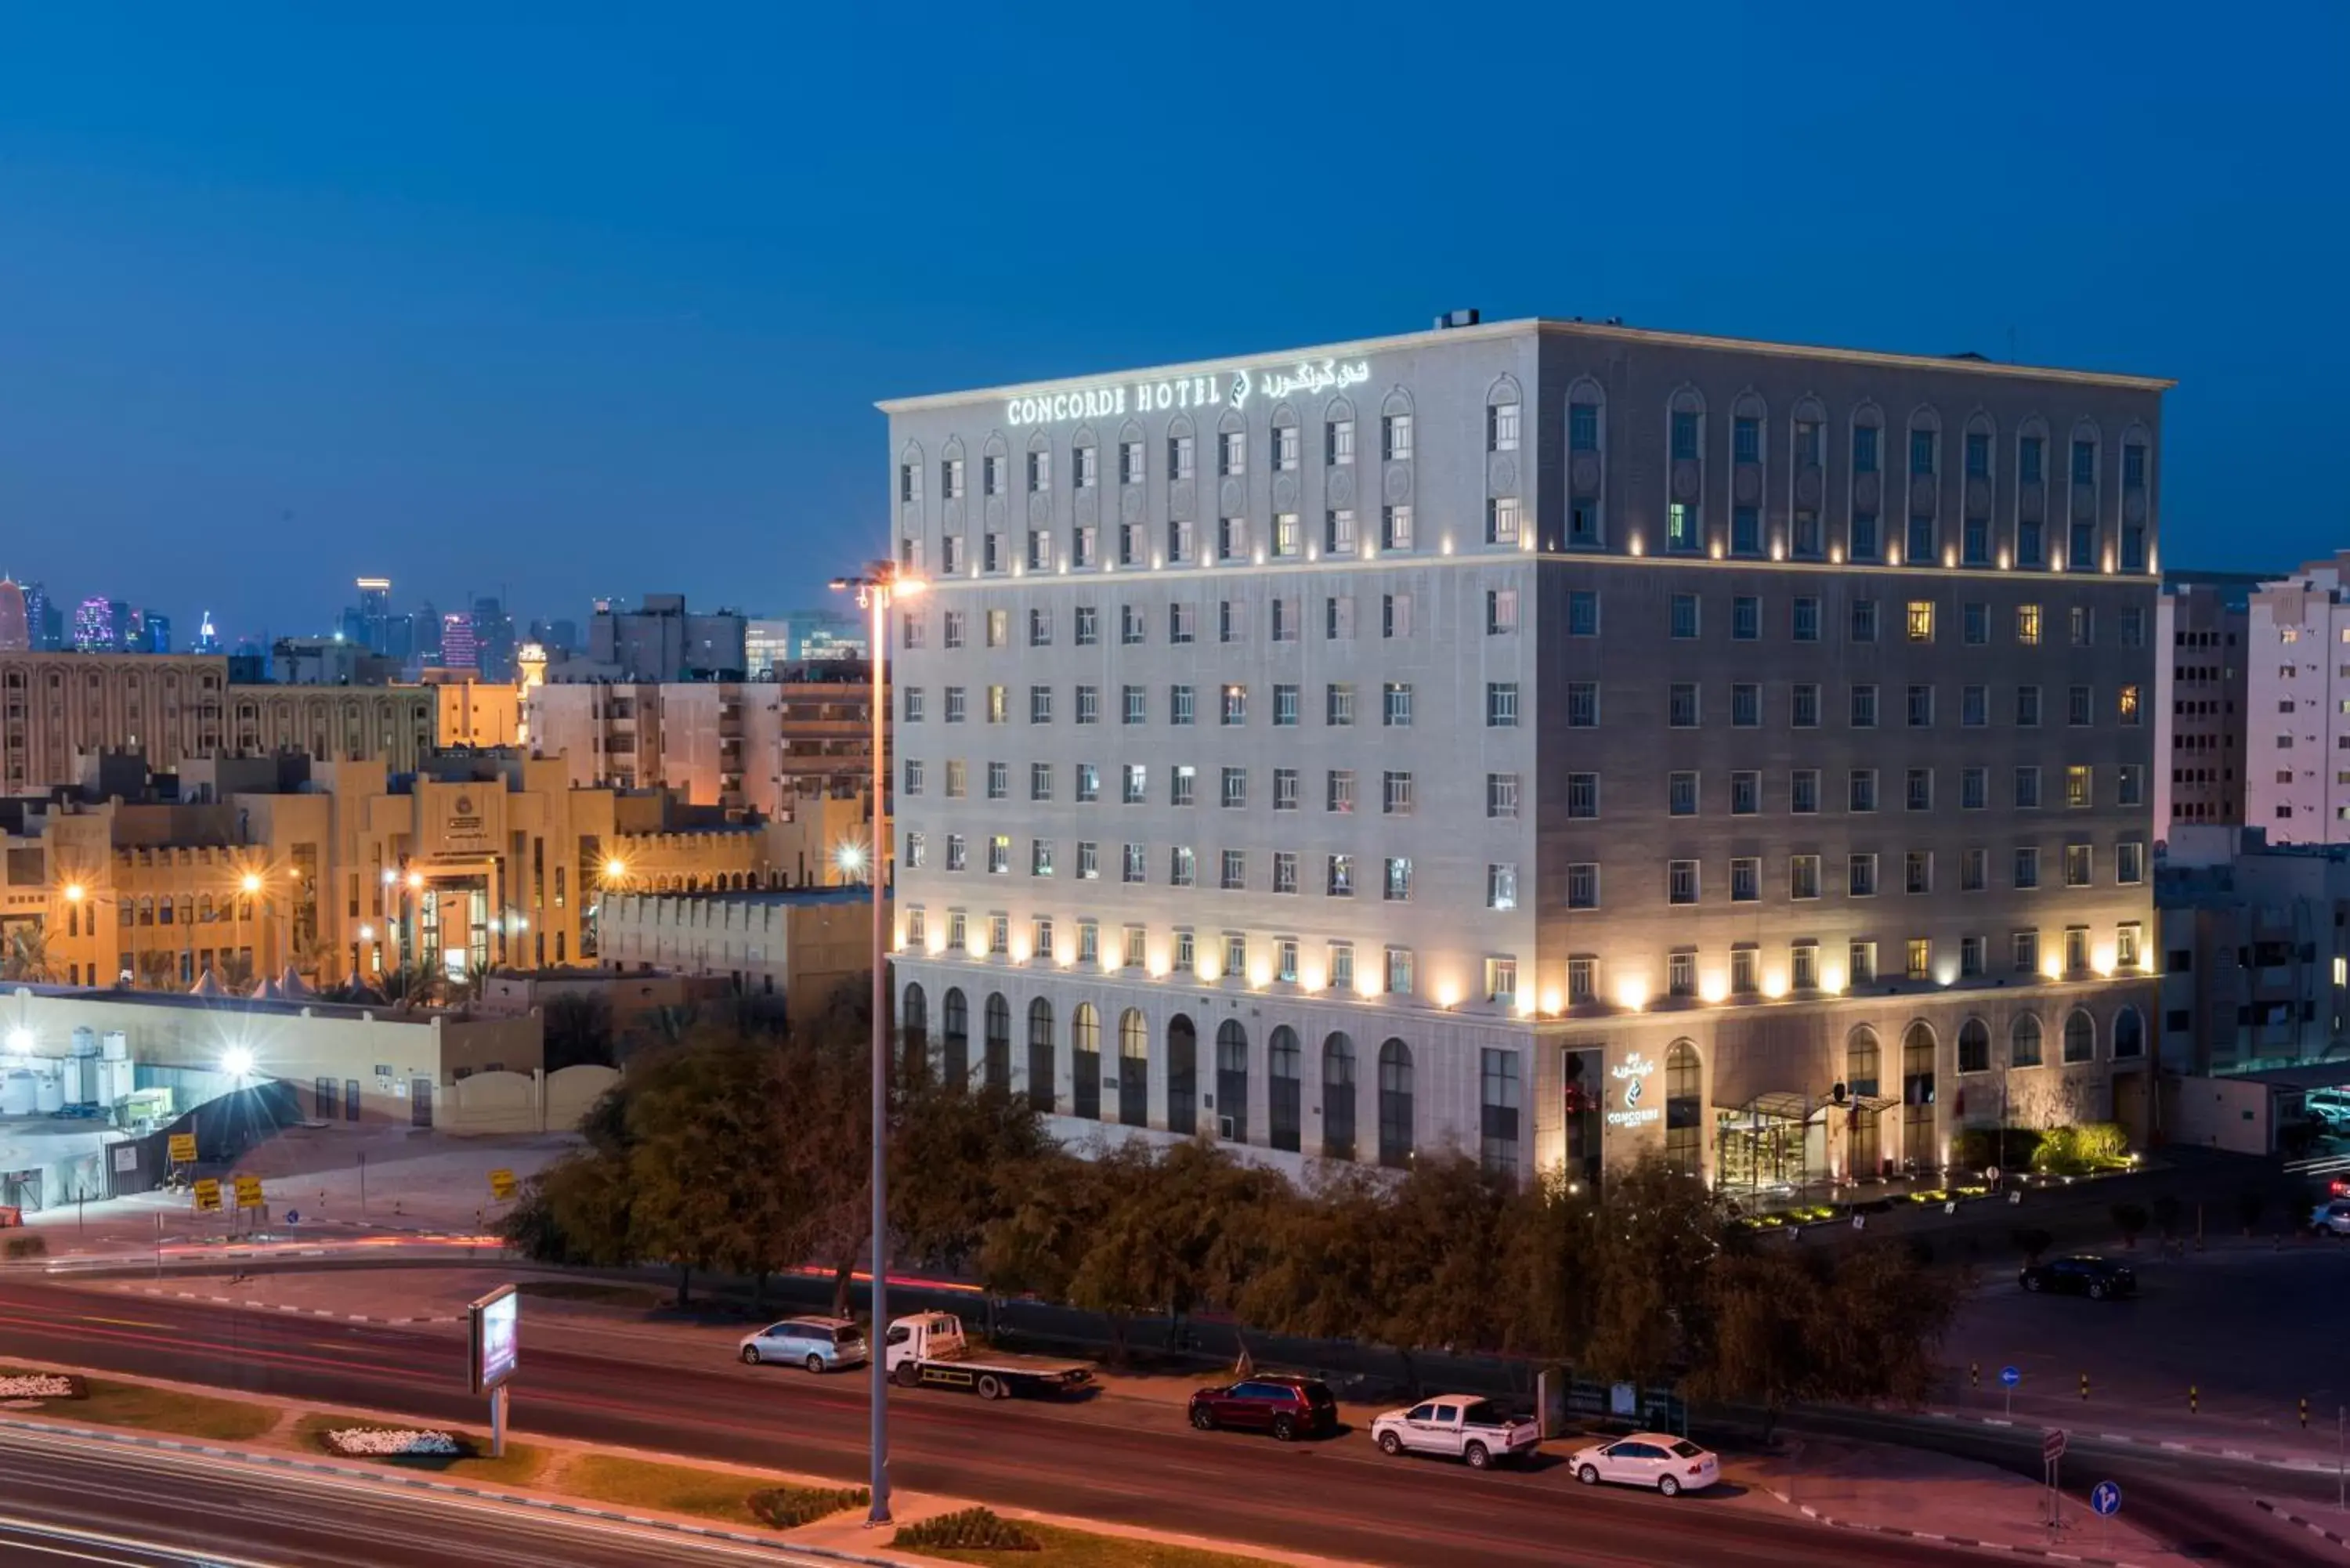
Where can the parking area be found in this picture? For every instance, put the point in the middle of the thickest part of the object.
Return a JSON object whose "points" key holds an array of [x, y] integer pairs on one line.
{"points": [[2233, 1338]]}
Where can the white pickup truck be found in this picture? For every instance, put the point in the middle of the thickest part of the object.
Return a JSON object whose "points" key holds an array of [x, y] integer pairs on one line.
{"points": [[1457, 1426], [929, 1351]]}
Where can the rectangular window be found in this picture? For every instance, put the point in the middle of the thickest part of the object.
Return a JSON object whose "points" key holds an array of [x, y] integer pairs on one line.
{"points": [[1583, 427], [1338, 704], [2079, 791], [2130, 786], [1919, 620], [1182, 623], [1921, 452], [1921, 958], [2133, 467], [1978, 458], [1680, 972], [1918, 871], [1235, 705], [1583, 885], [1583, 612], [1921, 706], [1502, 796], [1746, 440], [2031, 459], [1500, 612], [2027, 707], [1284, 449], [2027, 788], [1040, 781], [2078, 866], [1745, 880], [2027, 624], [1974, 871], [1088, 783], [1342, 966], [1284, 874], [1182, 781], [2027, 867], [1685, 437], [1681, 706], [1040, 472], [1502, 520], [1680, 794], [1339, 795], [1234, 791], [1233, 871], [1974, 789], [1040, 861], [1805, 627], [1500, 704], [1341, 884], [1804, 966], [1582, 796], [1745, 793], [1399, 971], [1395, 615], [1132, 704], [1974, 707], [2025, 948], [1231, 540], [1288, 538], [1863, 449], [913, 777], [1861, 960], [1232, 453], [2129, 862], [1860, 877], [1395, 438], [910, 632], [1134, 790], [1919, 792], [1040, 704], [1395, 527], [2085, 462], [1864, 621], [999, 781], [1745, 530], [958, 782], [1395, 794], [1183, 866], [1501, 885], [1860, 790], [1920, 551], [1805, 534], [999, 854], [1133, 867], [1865, 544], [1803, 876], [1180, 707], [1338, 531], [1804, 791], [1582, 521], [1864, 707], [1746, 706], [1284, 706], [1394, 706], [1682, 527], [1684, 616], [1681, 882], [1338, 441]]}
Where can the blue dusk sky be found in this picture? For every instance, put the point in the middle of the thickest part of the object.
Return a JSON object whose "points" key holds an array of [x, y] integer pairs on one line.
{"points": [[589, 299]]}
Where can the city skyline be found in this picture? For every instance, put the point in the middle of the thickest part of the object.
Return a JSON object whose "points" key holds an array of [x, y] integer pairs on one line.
{"points": [[567, 313]]}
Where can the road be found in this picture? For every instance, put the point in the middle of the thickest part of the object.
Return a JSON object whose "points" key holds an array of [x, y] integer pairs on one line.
{"points": [[71, 1502], [1128, 1460]]}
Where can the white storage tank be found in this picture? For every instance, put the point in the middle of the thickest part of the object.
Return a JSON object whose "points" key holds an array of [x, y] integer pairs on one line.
{"points": [[118, 1046], [49, 1094], [81, 1080], [19, 1095], [85, 1041], [114, 1083]]}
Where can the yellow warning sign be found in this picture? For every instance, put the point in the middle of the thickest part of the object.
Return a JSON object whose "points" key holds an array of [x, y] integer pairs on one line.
{"points": [[183, 1148], [248, 1192], [208, 1197], [502, 1184]]}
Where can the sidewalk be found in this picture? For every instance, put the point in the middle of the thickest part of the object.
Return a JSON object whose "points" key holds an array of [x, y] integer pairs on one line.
{"points": [[1908, 1492]]}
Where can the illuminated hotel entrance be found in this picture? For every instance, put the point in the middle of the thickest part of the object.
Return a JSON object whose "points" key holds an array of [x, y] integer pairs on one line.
{"points": [[448, 921]]}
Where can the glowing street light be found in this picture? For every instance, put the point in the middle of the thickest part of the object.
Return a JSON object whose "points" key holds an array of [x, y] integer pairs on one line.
{"points": [[238, 1061], [615, 869], [76, 892], [874, 592], [250, 882]]}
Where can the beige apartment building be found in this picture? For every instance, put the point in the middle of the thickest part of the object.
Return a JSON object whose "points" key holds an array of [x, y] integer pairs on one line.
{"points": [[2201, 704], [54, 708], [757, 747], [1540, 739]]}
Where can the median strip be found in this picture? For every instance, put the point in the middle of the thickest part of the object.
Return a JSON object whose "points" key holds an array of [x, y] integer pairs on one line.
{"points": [[1866, 1528]]}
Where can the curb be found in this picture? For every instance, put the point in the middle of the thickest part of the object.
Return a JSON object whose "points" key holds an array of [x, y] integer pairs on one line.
{"points": [[296, 1310], [2165, 1444], [2310, 1525], [2049, 1553], [417, 1483]]}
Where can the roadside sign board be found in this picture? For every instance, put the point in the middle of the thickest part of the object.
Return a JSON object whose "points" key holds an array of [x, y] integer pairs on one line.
{"points": [[2106, 1499], [2009, 1376], [495, 1327], [248, 1192], [208, 1196], [502, 1184], [183, 1148], [2052, 1445]]}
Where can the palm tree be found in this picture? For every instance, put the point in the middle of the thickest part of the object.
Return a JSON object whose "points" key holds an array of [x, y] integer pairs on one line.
{"points": [[157, 969], [27, 956], [236, 971]]}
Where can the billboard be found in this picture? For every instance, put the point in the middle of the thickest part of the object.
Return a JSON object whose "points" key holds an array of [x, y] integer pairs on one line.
{"points": [[496, 1324]]}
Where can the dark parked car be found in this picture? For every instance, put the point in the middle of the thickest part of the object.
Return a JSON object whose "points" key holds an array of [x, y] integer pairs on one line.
{"points": [[1288, 1407], [2097, 1278]]}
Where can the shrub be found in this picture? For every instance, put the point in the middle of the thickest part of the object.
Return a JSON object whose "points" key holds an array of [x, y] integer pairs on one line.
{"points": [[968, 1530], [28, 1246], [789, 1507], [2032, 1241], [2129, 1218], [2101, 1143], [1981, 1149]]}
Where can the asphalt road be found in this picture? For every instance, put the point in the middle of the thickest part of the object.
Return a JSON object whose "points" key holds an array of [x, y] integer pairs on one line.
{"points": [[73, 1502], [1126, 1460]]}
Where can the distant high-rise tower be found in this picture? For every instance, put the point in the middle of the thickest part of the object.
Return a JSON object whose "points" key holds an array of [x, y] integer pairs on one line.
{"points": [[207, 635], [370, 622], [459, 650], [156, 628], [94, 625], [15, 627], [493, 639]]}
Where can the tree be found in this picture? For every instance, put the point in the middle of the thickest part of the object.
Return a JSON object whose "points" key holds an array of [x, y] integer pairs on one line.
{"points": [[950, 1153], [1432, 1282], [1766, 1346], [579, 1027], [1321, 1273], [157, 969], [1546, 1246], [27, 957], [706, 1168], [1655, 1237]]}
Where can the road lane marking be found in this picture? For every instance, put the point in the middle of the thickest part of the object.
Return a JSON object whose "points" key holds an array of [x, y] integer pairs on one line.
{"points": [[124, 1322]]}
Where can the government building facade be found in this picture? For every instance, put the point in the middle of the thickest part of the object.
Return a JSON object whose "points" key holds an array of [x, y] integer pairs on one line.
{"points": [[1544, 740]]}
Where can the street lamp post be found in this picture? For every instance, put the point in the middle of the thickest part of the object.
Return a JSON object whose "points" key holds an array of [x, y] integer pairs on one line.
{"points": [[874, 592]]}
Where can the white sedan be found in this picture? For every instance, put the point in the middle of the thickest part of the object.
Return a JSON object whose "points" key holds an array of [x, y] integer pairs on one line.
{"points": [[1671, 1465]]}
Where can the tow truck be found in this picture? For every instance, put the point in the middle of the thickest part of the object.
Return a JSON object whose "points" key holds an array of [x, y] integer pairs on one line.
{"points": [[929, 1351]]}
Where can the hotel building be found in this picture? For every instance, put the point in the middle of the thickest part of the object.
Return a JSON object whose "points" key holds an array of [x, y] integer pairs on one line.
{"points": [[2296, 725], [1542, 739]]}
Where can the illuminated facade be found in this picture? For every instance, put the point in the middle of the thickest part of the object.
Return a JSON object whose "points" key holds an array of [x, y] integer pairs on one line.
{"points": [[170, 708], [1542, 739], [337, 869], [2296, 722]]}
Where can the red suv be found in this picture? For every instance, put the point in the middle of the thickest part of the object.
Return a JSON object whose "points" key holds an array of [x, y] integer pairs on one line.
{"points": [[1288, 1407]]}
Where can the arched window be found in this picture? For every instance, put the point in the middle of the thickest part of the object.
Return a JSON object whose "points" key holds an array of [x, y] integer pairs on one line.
{"points": [[1861, 1059], [1684, 1108], [954, 1026], [1396, 1109], [1084, 1061], [1232, 1081], [1133, 1069], [997, 1063], [2023, 1042], [1974, 1046], [1863, 1149], [1918, 1095], [1043, 1073], [914, 1029], [2129, 1035], [2080, 1037], [1182, 1075], [1337, 1097], [1284, 1092]]}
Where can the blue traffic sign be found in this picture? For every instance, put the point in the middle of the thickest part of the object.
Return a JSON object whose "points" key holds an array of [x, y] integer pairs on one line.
{"points": [[2009, 1376], [2106, 1499]]}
